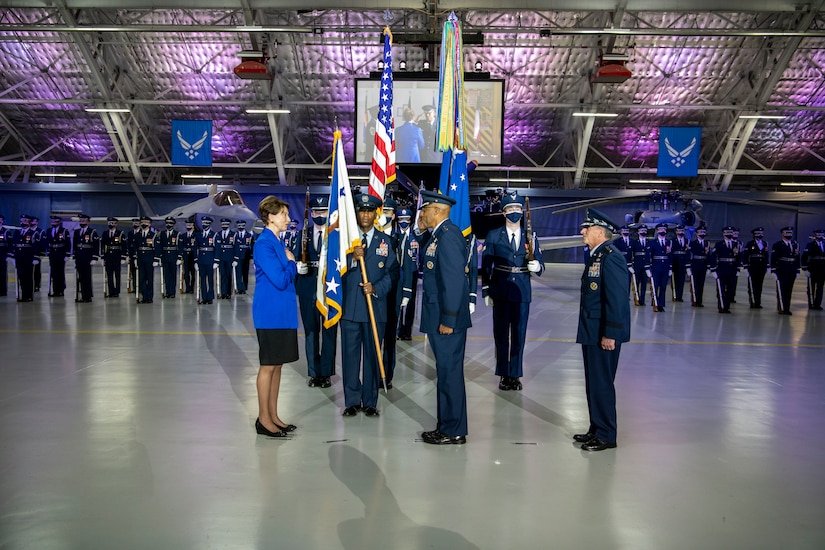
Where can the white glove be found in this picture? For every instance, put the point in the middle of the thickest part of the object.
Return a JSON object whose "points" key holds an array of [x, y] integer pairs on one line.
{"points": [[648, 273], [689, 272], [303, 268], [714, 275], [630, 269], [775, 276], [13, 263], [215, 265], [93, 262], [123, 260], [472, 308], [234, 264], [738, 272], [670, 273], [404, 301], [807, 273], [533, 266], [745, 273], [35, 261], [155, 264], [488, 301], [179, 262], [65, 258]]}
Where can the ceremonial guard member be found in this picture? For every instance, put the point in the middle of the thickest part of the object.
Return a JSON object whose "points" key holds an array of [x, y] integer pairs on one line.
{"points": [[641, 263], [813, 262], [660, 262], [785, 269], [320, 342], [625, 245], [5, 251], [206, 261], [357, 341], [506, 272], [697, 266], [131, 248], [225, 255], [604, 324], [86, 248], [737, 244], [171, 256], [58, 245], [188, 252], [680, 258], [445, 315], [755, 263], [40, 252], [113, 244], [244, 241], [25, 247], [147, 256], [724, 268], [408, 268], [394, 296]]}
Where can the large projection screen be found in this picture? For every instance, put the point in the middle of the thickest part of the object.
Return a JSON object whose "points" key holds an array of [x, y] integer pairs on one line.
{"points": [[483, 119]]}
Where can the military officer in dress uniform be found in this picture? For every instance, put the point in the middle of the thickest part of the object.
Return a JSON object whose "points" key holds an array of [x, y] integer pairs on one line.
{"points": [[188, 250], [225, 255], [86, 247], [737, 245], [625, 245], [813, 263], [680, 249], [206, 261], [147, 256], [58, 246], [755, 263], [445, 315], [661, 254], [320, 342], [408, 267], [113, 244], [5, 250], [506, 273], [356, 332], [724, 268], [131, 248], [244, 242], [697, 265], [25, 247], [39, 234], [785, 268], [604, 324], [171, 256], [641, 262], [394, 296]]}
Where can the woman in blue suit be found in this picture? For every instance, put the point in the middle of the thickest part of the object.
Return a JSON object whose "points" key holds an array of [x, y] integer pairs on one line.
{"points": [[274, 313]]}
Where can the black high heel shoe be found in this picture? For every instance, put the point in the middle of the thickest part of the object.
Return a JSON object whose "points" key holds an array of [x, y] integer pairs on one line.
{"points": [[261, 430], [288, 428]]}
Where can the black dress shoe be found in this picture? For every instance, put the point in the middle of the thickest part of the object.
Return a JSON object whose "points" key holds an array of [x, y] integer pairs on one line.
{"points": [[515, 384], [438, 438], [314, 382], [261, 430], [350, 411], [597, 445], [325, 382], [504, 384], [371, 411], [388, 384], [583, 438], [288, 428], [405, 338]]}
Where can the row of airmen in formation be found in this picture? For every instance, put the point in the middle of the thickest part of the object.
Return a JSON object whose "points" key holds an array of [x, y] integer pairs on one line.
{"points": [[202, 257], [662, 260]]}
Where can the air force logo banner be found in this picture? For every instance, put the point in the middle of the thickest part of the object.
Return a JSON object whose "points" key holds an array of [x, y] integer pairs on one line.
{"points": [[679, 151], [192, 143]]}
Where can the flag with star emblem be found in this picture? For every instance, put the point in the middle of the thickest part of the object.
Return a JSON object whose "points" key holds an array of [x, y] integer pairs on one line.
{"points": [[382, 172], [341, 235], [455, 183]]}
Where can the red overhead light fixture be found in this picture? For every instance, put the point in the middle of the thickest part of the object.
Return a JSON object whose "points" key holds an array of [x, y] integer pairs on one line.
{"points": [[253, 67], [611, 69]]}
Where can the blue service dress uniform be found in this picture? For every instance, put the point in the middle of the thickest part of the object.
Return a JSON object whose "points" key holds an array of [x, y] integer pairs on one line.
{"points": [[356, 332], [698, 263], [225, 255], [147, 253], [641, 264], [604, 312], [131, 264], [725, 263], [660, 264], [25, 248], [506, 280], [408, 283], [6, 236], [445, 301], [319, 342], [188, 242], [813, 261], [113, 247], [58, 245], [86, 246], [755, 257], [785, 262], [40, 252], [244, 242], [393, 309], [680, 259], [205, 259], [170, 248]]}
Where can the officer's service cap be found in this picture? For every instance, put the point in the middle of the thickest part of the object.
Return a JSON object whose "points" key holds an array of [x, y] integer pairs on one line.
{"points": [[594, 217], [404, 213], [431, 197], [390, 203], [111, 219], [319, 203], [206, 219], [84, 217], [427, 108], [365, 201], [35, 219], [241, 223], [788, 229], [819, 231], [511, 198], [145, 219], [53, 218], [728, 229], [756, 230], [642, 229], [658, 225], [169, 219], [25, 217], [190, 221], [680, 227], [135, 220], [226, 220]]}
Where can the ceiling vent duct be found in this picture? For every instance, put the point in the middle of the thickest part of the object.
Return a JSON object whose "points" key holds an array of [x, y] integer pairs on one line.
{"points": [[611, 70], [252, 70]]}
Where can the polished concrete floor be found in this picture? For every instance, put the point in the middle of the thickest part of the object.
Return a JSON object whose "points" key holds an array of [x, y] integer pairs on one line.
{"points": [[126, 426]]}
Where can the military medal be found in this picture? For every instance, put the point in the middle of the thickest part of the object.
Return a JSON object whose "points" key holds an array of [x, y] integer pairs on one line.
{"points": [[430, 265], [380, 265], [594, 286]]}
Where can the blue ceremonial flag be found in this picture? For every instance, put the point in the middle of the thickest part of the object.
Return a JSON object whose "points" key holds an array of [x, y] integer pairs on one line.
{"points": [[192, 143], [341, 235], [679, 151], [455, 183]]}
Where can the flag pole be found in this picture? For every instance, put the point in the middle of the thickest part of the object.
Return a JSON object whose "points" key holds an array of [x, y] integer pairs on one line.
{"points": [[377, 340]]}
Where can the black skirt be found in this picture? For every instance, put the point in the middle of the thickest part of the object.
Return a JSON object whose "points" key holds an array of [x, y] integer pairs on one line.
{"points": [[277, 345]]}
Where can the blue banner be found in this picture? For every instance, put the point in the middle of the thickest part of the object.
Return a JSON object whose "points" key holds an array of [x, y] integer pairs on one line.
{"points": [[679, 149], [192, 143], [454, 182]]}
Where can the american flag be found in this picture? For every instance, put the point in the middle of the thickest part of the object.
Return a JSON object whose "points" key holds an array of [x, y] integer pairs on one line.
{"points": [[382, 172]]}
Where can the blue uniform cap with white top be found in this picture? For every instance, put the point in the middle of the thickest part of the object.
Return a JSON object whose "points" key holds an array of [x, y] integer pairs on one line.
{"points": [[511, 198], [169, 219], [145, 219], [389, 203], [756, 230], [788, 229], [367, 202], [53, 218], [83, 217], [319, 203], [404, 213], [819, 231], [594, 217], [109, 219], [431, 197], [642, 229], [206, 219], [661, 225]]}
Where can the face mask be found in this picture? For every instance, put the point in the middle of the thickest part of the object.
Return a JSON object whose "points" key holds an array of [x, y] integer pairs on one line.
{"points": [[513, 217], [56, 224], [403, 225], [190, 227], [662, 233], [24, 224], [170, 225], [207, 225], [144, 225], [319, 220], [112, 226], [84, 224]]}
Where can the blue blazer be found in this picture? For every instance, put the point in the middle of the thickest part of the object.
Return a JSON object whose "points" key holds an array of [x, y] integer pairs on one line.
{"points": [[274, 304], [498, 260], [382, 270], [409, 140], [605, 306], [446, 295]]}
